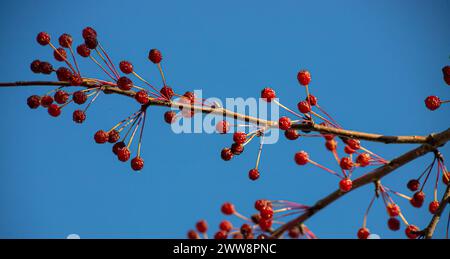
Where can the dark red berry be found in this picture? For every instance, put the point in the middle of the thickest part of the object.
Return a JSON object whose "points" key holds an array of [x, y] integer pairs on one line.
{"points": [[363, 233], [237, 149], [291, 134], [354, 144], [363, 159], [226, 154], [417, 199], [312, 99], [225, 225], [304, 77], [89, 32], [83, 50], [65, 40], [61, 96], [91, 42], [101, 137], [170, 116], [239, 137], [331, 144], [113, 136], [265, 224], [346, 163], [35, 66], [167, 92], [137, 163], [220, 235], [266, 212], [394, 224], [79, 116], [393, 210], [253, 174], [123, 154], [413, 185], [189, 97], [43, 38], [411, 232], [284, 123], [54, 110], [345, 185], [124, 83], [446, 73], [34, 101], [192, 235], [349, 150], [142, 97], [268, 94], [46, 101], [304, 107], [432, 102], [202, 226], [45, 68], [126, 67], [118, 146], [223, 127], [328, 136], [76, 80], [260, 204], [60, 54], [227, 208], [433, 207], [246, 230], [155, 56], [79, 97], [301, 158], [294, 232], [64, 74]]}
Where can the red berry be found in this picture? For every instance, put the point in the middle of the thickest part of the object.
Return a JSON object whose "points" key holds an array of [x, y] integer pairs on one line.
{"points": [[301, 158], [239, 137], [64, 74], [101, 137], [413, 185], [43, 38], [65, 40], [253, 174], [220, 235], [345, 185], [192, 235], [268, 94], [54, 110], [346, 163], [91, 42], [123, 154], [394, 224], [445, 177], [363, 233], [124, 83], [304, 107], [142, 97], [393, 210], [155, 56], [117, 147], [226, 154], [189, 97], [167, 92], [432, 102], [353, 144], [246, 230], [46, 101], [137, 163], [331, 144], [79, 116], [363, 159], [265, 224], [260, 204], [45, 68], [294, 232], [226, 226], [417, 199], [61, 96], [237, 149], [312, 100], [328, 136], [89, 32], [304, 77], [284, 123], [433, 207], [126, 67], [291, 134], [34, 101], [170, 116], [83, 51], [79, 97], [349, 150], [446, 72], [266, 212], [411, 230], [227, 208], [113, 136], [60, 54], [202, 226], [76, 80], [223, 127], [35, 66]]}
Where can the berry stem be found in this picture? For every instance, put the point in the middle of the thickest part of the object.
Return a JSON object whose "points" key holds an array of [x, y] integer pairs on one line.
{"points": [[134, 131], [107, 64], [366, 214], [104, 70], [162, 74], [259, 151], [64, 58], [286, 108], [74, 60], [147, 83], [324, 168], [141, 133], [109, 59]]}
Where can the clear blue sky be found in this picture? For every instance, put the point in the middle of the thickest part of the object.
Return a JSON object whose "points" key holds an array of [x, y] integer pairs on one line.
{"points": [[372, 63]]}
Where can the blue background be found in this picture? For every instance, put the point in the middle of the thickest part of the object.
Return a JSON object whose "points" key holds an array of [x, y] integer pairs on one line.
{"points": [[372, 64]]}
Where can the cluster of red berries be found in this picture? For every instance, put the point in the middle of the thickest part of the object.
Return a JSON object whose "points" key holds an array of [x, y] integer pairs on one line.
{"points": [[433, 102]]}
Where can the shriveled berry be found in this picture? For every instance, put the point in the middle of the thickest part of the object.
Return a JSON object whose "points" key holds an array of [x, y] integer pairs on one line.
{"points": [[363, 233], [79, 97], [312, 100], [417, 199], [225, 225], [291, 134], [43, 38], [167, 92], [253, 174], [226, 154], [363, 159], [220, 235], [346, 163], [413, 185], [78, 116], [227, 208], [192, 235], [45, 68], [237, 149], [301, 158], [304, 77], [63, 74], [60, 54], [155, 56], [239, 137], [433, 207], [345, 185], [304, 107], [394, 224], [411, 232], [46, 101], [393, 210], [61, 96], [331, 144], [76, 80], [202, 226], [91, 42], [124, 83], [35, 66], [34, 101], [170, 116], [101, 136], [137, 163], [246, 230], [222, 127], [284, 123], [113, 136], [54, 110], [65, 40], [123, 154], [83, 51], [294, 232], [118, 146], [141, 97], [268, 94], [446, 73], [432, 102], [89, 32], [126, 67]]}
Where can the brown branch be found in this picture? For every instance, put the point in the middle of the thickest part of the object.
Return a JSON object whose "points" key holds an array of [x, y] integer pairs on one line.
{"points": [[371, 177], [429, 230], [243, 117]]}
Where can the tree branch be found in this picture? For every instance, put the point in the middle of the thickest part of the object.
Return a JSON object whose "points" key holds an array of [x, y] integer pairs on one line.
{"points": [[429, 230]]}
